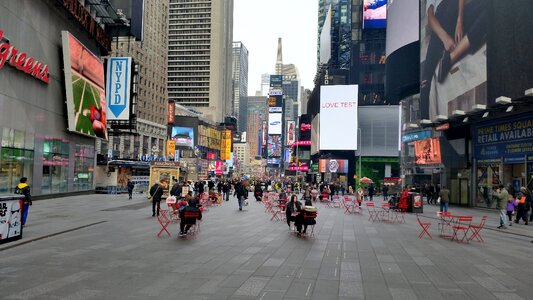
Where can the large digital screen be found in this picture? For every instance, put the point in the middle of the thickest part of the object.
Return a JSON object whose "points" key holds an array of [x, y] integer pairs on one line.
{"points": [[291, 132], [85, 89], [184, 136], [374, 14], [333, 166], [453, 56], [403, 24], [274, 123], [338, 117], [274, 146], [427, 151]]}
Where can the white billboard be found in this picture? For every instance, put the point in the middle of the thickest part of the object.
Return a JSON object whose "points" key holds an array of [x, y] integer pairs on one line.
{"points": [[325, 39], [338, 117], [118, 88], [404, 23], [274, 123]]}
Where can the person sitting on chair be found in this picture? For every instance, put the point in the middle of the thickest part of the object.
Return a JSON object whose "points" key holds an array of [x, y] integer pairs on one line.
{"points": [[186, 223], [293, 210]]}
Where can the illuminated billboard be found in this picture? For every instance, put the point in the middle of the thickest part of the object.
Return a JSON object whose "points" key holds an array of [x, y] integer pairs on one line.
{"points": [[338, 117], [274, 146], [374, 14], [85, 89], [427, 151], [274, 123], [184, 136], [291, 132], [333, 166]]}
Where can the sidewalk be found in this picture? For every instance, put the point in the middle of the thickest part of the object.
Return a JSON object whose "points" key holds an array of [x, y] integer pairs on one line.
{"points": [[51, 217]]}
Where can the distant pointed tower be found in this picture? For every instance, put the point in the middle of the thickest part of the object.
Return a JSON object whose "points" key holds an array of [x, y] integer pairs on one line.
{"points": [[279, 59]]}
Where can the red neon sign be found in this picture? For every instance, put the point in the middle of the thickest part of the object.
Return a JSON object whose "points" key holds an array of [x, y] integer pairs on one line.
{"points": [[302, 143], [305, 127], [21, 61]]}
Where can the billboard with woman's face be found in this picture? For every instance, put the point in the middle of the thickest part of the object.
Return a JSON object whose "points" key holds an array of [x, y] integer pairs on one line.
{"points": [[85, 89], [453, 56]]}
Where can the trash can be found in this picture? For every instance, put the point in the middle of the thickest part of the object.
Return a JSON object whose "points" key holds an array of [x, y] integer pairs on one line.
{"points": [[10, 218], [415, 204]]}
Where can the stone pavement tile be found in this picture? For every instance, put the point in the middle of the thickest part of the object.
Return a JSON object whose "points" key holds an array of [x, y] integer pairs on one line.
{"points": [[413, 273], [426, 290], [395, 280], [252, 286], [288, 270], [300, 288], [330, 271], [351, 289], [221, 293], [271, 295], [211, 286], [235, 280], [439, 279], [326, 289], [266, 271], [492, 284], [308, 272], [454, 294], [402, 294], [279, 283], [508, 296], [475, 290], [375, 290]]}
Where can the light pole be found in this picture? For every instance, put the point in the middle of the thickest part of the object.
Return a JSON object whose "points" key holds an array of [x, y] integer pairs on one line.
{"points": [[359, 150]]}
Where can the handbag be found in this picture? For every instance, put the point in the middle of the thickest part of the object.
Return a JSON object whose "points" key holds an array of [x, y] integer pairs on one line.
{"points": [[438, 200], [150, 197]]}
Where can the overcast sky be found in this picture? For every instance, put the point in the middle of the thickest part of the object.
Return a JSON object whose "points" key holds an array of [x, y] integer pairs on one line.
{"points": [[259, 23]]}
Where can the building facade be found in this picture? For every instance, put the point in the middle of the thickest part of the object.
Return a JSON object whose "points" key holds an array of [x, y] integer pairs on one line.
{"points": [[151, 107], [35, 140], [200, 56], [240, 78]]}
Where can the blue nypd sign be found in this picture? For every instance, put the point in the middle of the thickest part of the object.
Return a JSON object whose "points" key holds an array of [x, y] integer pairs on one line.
{"points": [[118, 88]]}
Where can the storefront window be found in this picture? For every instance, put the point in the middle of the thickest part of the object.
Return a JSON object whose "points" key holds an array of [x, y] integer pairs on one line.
{"points": [[55, 166], [16, 159], [488, 179], [84, 168]]}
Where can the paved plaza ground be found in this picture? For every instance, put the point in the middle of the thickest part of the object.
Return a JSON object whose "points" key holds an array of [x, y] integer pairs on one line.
{"points": [[105, 247]]}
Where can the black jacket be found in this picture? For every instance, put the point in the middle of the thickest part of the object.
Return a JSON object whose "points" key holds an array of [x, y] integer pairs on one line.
{"points": [[156, 191], [176, 190], [131, 185], [290, 208], [189, 208], [241, 191]]}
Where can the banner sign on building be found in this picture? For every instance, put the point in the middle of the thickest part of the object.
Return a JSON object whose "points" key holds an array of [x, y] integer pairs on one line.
{"points": [[291, 132], [274, 146], [274, 123], [171, 113], [276, 81], [338, 105], [171, 150], [118, 88], [415, 136], [225, 145], [333, 166], [511, 139], [275, 101]]}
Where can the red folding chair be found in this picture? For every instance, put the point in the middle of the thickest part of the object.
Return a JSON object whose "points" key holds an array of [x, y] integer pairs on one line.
{"points": [[310, 216], [372, 212], [195, 228], [349, 205], [462, 225], [336, 201], [164, 221], [476, 229], [425, 227], [445, 224], [385, 212]]}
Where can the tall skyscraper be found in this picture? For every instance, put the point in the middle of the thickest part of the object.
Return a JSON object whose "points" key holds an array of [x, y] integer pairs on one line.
{"points": [[240, 78], [152, 104], [291, 85], [265, 84], [200, 56], [279, 59]]}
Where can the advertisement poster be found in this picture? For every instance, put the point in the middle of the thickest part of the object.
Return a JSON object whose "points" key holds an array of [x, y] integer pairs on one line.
{"points": [[333, 166], [183, 136], [453, 64], [219, 167], [84, 85], [171, 150], [274, 123], [374, 14], [118, 88], [338, 117], [225, 147], [10, 219], [427, 151], [291, 132], [274, 146]]}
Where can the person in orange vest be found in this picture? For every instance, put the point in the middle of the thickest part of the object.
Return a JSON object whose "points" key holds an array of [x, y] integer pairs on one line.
{"points": [[524, 204]]}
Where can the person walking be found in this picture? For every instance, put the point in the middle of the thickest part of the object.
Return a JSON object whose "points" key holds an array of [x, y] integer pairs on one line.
{"points": [[523, 206], [444, 195], [225, 190], [511, 207], [241, 193], [156, 192], [131, 186], [385, 191], [371, 192], [502, 196], [24, 189]]}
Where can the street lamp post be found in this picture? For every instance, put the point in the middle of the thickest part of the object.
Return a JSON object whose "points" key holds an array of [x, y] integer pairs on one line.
{"points": [[359, 150]]}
